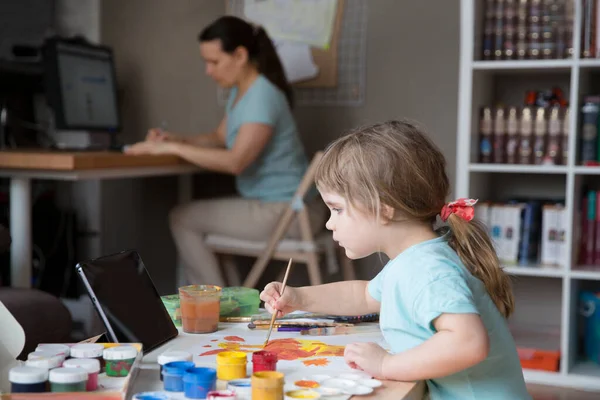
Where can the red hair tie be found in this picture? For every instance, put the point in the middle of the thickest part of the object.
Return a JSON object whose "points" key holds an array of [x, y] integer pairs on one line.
{"points": [[461, 207]]}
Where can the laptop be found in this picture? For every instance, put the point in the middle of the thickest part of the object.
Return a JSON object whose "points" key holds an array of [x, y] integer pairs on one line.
{"points": [[126, 300]]}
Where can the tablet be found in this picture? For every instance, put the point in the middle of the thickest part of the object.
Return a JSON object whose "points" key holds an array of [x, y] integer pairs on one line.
{"points": [[126, 300]]}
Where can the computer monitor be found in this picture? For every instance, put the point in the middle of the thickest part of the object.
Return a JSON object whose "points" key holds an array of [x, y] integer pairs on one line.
{"points": [[80, 85]]}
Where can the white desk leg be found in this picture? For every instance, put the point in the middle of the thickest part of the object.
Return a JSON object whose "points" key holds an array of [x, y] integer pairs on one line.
{"points": [[185, 195], [20, 232]]}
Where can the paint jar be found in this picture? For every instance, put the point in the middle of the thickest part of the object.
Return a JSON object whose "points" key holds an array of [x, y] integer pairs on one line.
{"points": [[173, 373], [264, 361], [44, 359], [231, 365], [267, 385], [171, 356], [302, 394], [241, 387], [199, 308], [171, 303], [221, 394], [151, 396], [119, 360], [239, 302], [89, 350], [91, 366], [28, 380], [68, 379], [198, 382], [55, 348]]}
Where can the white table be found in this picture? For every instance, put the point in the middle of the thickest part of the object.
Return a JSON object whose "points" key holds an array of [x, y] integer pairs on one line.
{"points": [[148, 375], [24, 166]]}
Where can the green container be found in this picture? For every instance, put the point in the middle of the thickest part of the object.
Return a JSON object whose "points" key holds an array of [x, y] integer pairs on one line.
{"points": [[239, 302], [171, 303]]}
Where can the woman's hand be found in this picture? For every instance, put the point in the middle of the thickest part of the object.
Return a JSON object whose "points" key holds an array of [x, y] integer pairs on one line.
{"points": [[160, 135], [151, 147], [275, 302], [368, 357]]}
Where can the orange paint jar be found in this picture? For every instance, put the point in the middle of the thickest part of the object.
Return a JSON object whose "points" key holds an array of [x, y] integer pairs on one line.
{"points": [[267, 385], [200, 306]]}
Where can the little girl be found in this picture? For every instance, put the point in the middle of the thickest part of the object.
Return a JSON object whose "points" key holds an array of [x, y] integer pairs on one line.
{"points": [[443, 298]]}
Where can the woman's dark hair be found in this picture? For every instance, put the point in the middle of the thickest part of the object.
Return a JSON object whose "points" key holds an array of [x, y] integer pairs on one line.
{"points": [[234, 32]]}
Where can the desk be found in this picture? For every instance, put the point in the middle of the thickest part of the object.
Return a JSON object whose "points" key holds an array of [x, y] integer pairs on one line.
{"points": [[24, 165], [148, 376]]}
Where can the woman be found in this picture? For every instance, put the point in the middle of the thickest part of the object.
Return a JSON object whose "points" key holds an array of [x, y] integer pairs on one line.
{"points": [[257, 141]]}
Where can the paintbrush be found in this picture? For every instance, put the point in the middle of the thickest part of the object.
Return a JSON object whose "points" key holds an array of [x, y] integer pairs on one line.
{"points": [[287, 272]]}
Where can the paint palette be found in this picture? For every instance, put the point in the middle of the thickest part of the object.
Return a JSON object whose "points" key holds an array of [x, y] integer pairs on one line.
{"points": [[347, 384]]}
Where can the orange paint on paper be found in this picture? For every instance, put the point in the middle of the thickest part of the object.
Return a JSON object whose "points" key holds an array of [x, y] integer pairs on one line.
{"points": [[316, 362], [234, 339], [307, 384], [287, 349], [215, 340], [207, 345]]}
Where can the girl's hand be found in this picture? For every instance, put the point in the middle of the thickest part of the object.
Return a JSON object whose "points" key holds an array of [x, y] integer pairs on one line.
{"points": [[282, 304], [368, 357]]}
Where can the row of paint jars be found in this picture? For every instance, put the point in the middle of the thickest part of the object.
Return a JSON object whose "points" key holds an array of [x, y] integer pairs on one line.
{"points": [[62, 368]]}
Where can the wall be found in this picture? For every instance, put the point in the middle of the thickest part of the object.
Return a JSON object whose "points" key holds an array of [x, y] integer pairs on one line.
{"points": [[412, 72]]}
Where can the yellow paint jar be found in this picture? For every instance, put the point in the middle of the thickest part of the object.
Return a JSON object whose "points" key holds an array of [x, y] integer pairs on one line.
{"points": [[231, 365], [267, 385]]}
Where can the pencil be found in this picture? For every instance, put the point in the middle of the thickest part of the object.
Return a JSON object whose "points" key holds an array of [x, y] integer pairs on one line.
{"points": [[287, 272]]}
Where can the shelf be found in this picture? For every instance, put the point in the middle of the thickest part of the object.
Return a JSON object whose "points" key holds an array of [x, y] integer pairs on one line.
{"points": [[581, 170], [591, 63], [518, 169], [533, 270], [523, 65], [586, 273], [586, 368]]}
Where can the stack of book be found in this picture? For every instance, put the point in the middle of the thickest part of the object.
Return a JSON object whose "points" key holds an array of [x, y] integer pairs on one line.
{"points": [[528, 29], [526, 231]]}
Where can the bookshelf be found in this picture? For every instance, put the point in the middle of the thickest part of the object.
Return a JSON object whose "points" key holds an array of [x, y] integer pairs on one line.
{"points": [[547, 315]]}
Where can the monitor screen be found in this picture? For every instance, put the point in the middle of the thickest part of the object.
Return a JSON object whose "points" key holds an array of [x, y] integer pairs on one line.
{"points": [[126, 300], [80, 86]]}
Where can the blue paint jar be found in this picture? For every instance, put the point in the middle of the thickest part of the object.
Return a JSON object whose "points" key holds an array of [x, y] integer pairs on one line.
{"points": [[151, 396], [28, 379], [197, 382], [173, 374]]}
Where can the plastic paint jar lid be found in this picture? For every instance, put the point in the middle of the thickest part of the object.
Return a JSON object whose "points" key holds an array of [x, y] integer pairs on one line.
{"points": [[87, 350], [151, 396], [231, 357], [68, 375], [41, 354], [27, 375], [177, 367], [200, 375], [48, 362], [171, 356], [55, 348], [119, 353], [90, 365], [217, 394], [264, 357]]}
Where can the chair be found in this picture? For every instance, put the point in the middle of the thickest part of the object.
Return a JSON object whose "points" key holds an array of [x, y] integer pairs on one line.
{"points": [[307, 249]]}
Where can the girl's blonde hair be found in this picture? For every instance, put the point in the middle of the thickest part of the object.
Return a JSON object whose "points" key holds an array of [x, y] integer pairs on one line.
{"points": [[395, 164]]}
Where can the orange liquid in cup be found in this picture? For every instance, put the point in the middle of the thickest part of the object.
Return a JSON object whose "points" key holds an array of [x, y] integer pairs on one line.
{"points": [[200, 306]]}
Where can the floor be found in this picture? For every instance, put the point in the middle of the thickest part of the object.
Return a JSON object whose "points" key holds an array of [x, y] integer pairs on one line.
{"points": [[539, 392]]}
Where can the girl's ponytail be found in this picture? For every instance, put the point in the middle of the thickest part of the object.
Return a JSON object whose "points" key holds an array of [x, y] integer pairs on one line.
{"points": [[270, 65], [474, 247]]}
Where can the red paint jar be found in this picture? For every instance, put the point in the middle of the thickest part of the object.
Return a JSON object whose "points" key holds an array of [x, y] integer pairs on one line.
{"points": [[264, 361]]}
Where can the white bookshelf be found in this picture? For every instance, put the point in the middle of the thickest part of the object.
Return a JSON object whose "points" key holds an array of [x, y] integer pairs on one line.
{"points": [[547, 297]]}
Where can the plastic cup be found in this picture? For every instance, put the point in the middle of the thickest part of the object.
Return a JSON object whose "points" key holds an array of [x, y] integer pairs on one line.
{"points": [[200, 308]]}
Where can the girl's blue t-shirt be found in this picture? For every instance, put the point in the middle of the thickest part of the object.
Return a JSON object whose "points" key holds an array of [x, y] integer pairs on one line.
{"points": [[277, 172], [428, 280]]}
